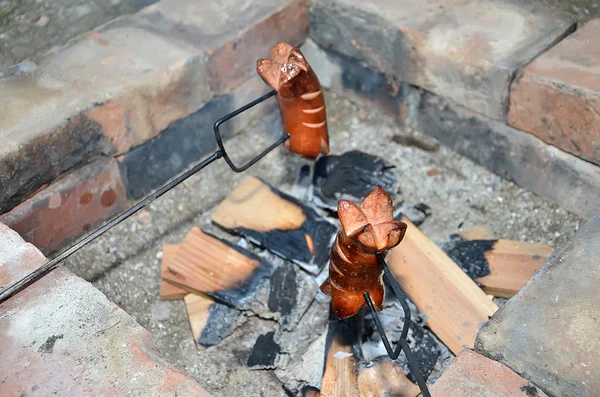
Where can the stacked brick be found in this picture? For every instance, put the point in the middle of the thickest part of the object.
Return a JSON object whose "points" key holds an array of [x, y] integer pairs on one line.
{"points": [[503, 83], [116, 112]]}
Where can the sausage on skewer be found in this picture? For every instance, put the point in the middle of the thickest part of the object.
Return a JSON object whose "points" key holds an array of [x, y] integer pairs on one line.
{"points": [[366, 230], [300, 99]]}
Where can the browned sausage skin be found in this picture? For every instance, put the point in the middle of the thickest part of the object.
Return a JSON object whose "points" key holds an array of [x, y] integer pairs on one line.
{"points": [[366, 230], [300, 99]]}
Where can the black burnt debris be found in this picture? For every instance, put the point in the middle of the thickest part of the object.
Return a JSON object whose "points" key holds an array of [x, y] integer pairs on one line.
{"points": [[469, 255], [264, 352], [351, 176]]}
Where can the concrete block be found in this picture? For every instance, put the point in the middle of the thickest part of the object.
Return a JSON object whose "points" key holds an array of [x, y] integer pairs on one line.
{"points": [[547, 333]]}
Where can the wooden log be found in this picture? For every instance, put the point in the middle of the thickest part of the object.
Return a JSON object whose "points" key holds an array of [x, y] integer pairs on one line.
{"points": [[210, 321], [227, 273], [454, 304], [341, 364], [277, 222], [384, 377], [198, 311], [169, 291], [512, 264]]}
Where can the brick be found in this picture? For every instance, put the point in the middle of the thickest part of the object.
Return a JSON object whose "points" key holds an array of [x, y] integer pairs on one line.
{"points": [[467, 51], [61, 336], [547, 333], [557, 96], [189, 140], [235, 33], [102, 93], [352, 79], [139, 93], [474, 375], [510, 153], [17, 257], [70, 206], [42, 135]]}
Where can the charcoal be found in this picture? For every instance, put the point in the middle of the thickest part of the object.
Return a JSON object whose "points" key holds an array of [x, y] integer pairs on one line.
{"points": [[351, 176]]}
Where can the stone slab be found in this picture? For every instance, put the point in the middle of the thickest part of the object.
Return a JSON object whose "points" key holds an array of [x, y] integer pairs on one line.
{"points": [[69, 207], [557, 96], [510, 153], [235, 33], [474, 375], [61, 336], [547, 333], [467, 51]]}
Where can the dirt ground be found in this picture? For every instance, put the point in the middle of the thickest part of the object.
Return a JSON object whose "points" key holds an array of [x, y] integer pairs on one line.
{"points": [[125, 263], [29, 28]]}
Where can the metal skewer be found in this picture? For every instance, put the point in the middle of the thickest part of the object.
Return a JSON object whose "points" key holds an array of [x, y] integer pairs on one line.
{"points": [[402, 343], [12, 289]]}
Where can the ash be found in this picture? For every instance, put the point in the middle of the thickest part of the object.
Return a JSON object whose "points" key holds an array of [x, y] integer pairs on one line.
{"points": [[125, 263]]}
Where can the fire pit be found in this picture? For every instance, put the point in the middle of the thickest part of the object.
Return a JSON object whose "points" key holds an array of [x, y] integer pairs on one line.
{"points": [[251, 319]]}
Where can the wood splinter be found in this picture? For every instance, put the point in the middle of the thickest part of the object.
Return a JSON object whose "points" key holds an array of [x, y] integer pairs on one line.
{"points": [[366, 230], [300, 99]]}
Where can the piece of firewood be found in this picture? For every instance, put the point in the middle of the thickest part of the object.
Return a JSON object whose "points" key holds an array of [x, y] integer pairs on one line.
{"points": [[198, 311], [454, 305], [384, 377], [340, 377], [224, 271], [512, 264], [169, 291], [277, 222]]}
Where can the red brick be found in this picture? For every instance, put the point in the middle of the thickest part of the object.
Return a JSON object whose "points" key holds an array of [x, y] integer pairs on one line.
{"points": [[70, 206], [467, 51], [104, 92], [61, 336], [140, 93], [235, 34], [557, 96], [473, 375], [42, 136], [17, 257]]}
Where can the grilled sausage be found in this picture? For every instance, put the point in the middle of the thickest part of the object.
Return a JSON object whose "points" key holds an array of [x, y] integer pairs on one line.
{"points": [[300, 99], [366, 230]]}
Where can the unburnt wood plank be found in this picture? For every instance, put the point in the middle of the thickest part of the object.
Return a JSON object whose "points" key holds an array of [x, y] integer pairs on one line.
{"points": [[206, 264], [384, 377], [454, 305], [278, 222], [512, 264], [169, 291], [340, 377], [253, 205], [198, 311]]}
